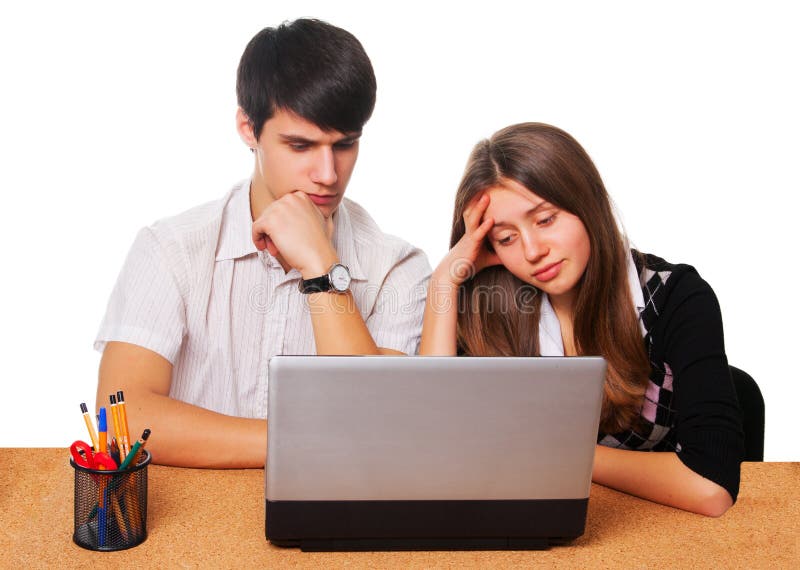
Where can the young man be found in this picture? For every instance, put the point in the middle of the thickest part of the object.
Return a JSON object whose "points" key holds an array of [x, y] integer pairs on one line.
{"points": [[281, 265]]}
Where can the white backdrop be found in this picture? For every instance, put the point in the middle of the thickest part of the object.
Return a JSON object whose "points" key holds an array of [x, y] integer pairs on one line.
{"points": [[113, 117]]}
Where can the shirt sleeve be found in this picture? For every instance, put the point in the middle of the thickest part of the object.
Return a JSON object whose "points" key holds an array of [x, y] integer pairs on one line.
{"points": [[709, 424], [396, 319], [146, 307]]}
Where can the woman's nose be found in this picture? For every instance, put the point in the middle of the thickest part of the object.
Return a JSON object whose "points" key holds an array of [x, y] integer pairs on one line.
{"points": [[534, 249]]}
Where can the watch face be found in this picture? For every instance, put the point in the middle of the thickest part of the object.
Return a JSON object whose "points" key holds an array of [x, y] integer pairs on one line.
{"points": [[340, 278]]}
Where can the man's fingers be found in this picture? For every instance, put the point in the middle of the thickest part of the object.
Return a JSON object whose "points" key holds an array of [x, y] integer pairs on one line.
{"points": [[271, 248], [260, 240]]}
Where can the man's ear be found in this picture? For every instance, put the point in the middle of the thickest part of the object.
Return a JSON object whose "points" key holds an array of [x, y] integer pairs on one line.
{"points": [[245, 129]]}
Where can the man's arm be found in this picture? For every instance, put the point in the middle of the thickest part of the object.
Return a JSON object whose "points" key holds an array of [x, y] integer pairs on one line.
{"points": [[294, 230], [183, 435], [339, 327]]}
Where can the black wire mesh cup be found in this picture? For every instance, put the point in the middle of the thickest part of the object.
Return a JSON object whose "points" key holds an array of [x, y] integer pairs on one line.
{"points": [[111, 506]]}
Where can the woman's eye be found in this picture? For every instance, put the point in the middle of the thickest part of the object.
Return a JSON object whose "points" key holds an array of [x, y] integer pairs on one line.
{"points": [[504, 240], [546, 221]]}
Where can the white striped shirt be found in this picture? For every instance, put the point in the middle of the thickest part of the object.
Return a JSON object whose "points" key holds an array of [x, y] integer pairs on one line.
{"points": [[195, 290]]}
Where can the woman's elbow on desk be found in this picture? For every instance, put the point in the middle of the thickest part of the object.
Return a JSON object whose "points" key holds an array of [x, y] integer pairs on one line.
{"points": [[714, 503], [660, 477]]}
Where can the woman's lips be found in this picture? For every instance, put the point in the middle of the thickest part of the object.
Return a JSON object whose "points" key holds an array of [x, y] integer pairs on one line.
{"points": [[549, 272]]}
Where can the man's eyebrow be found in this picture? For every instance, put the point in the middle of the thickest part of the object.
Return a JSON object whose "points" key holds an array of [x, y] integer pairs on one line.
{"points": [[299, 139], [536, 208], [350, 137], [296, 139]]}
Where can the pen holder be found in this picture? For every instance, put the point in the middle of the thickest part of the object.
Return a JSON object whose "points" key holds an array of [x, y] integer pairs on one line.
{"points": [[111, 506]]}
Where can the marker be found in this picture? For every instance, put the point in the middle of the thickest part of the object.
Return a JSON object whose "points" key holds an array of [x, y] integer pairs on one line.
{"points": [[123, 420], [89, 426], [102, 430], [135, 449], [115, 417]]}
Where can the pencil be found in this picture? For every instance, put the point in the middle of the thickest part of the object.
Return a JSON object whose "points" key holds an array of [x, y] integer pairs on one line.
{"points": [[115, 506], [89, 426], [135, 449], [123, 420], [115, 417]]}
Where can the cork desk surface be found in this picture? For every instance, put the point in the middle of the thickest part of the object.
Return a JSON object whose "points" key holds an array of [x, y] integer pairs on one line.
{"points": [[215, 519]]}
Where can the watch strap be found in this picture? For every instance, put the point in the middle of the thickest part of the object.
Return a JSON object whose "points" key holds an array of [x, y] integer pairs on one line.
{"points": [[319, 284]]}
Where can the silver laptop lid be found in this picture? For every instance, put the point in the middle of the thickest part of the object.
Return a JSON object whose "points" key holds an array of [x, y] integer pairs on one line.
{"points": [[431, 428]]}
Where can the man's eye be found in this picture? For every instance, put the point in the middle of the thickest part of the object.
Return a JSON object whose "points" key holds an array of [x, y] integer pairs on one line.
{"points": [[299, 146], [344, 144]]}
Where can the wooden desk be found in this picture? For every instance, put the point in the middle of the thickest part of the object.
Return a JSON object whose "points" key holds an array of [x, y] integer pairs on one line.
{"points": [[215, 519]]}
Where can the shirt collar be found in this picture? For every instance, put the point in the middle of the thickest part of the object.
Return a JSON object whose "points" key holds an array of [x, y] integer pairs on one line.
{"points": [[344, 242], [637, 296], [635, 286], [236, 239]]}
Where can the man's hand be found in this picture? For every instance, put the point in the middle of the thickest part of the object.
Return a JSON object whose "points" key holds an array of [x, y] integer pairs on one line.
{"points": [[294, 228]]}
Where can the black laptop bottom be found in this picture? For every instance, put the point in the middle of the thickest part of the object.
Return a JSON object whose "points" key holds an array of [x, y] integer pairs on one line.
{"points": [[424, 525]]}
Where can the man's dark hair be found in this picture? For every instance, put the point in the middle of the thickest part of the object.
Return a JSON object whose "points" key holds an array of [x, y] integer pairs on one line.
{"points": [[311, 68]]}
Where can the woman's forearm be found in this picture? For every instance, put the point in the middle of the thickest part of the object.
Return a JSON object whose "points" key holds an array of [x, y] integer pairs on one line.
{"points": [[660, 477], [439, 322]]}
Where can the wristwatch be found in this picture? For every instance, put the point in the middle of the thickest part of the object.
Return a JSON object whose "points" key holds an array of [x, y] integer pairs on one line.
{"points": [[337, 280]]}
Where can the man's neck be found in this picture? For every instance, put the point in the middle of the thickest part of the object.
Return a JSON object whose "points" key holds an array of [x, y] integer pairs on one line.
{"points": [[259, 198]]}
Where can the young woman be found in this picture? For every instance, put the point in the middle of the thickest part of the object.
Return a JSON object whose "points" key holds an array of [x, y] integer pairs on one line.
{"points": [[538, 266]]}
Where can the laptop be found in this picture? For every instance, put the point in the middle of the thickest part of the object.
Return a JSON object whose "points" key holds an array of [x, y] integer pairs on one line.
{"points": [[430, 453]]}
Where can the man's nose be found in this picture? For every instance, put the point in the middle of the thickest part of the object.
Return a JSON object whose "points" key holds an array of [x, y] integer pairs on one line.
{"points": [[324, 168]]}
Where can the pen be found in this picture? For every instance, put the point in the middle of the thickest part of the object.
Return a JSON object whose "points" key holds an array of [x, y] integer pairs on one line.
{"points": [[135, 449], [115, 417], [102, 431], [123, 420], [114, 450], [89, 426], [102, 487]]}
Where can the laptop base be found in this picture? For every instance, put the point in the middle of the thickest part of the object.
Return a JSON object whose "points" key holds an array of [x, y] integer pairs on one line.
{"points": [[417, 544], [316, 526]]}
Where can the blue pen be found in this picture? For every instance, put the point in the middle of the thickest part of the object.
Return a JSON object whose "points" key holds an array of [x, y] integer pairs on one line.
{"points": [[101, 516], [102, 432]]}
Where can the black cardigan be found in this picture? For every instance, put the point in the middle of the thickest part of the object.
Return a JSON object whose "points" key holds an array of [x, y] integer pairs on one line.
{"points": [[690, 406]]}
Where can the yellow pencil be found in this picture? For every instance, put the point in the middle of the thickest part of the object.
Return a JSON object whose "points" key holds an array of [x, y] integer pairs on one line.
{"points": [[123, 420], [115, 418], [90, 427], [115, 506]]}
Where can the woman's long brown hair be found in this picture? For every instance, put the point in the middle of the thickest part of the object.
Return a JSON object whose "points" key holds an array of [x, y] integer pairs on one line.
{"points": [[499, 313]]}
